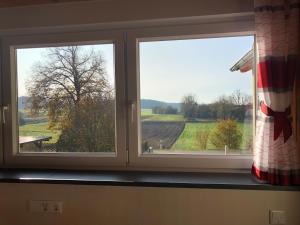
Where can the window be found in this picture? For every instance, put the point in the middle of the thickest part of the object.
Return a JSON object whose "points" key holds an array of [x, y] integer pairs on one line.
{"points": [[188, 109], [161, 97], [190, 102], [64, 100]]}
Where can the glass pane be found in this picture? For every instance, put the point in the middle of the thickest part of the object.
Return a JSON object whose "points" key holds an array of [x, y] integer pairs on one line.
{"points": [[196, 96], [66, 98]]}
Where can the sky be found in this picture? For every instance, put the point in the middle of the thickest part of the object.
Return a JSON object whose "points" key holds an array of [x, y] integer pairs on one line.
{"points": [[28, 57], [170, 69]]}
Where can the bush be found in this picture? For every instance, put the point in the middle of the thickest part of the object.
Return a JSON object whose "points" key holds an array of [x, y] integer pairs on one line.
{"points": [[202, 137], [21, 119], [227, 133], [90, 128], [171, 110]]}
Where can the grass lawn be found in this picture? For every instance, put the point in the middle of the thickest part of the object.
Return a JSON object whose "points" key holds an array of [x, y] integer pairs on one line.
{"points": [[146, 114], [188, 139], [39, 129]]}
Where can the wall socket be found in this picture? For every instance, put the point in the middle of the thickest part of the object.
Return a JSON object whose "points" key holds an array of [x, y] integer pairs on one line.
{"points": [[41, 206], [277, 217]]}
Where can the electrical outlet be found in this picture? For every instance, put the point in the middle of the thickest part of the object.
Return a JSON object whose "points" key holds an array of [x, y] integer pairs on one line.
{"points": [[277, 217], [46, 206]]}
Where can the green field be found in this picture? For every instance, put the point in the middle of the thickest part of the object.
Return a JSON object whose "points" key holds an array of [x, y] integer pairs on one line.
{"points": [[39, 129], [146, 114], [188, 139]]}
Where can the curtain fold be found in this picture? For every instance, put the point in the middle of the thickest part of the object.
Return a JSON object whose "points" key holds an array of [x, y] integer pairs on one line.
{"points": [[276, 157]]}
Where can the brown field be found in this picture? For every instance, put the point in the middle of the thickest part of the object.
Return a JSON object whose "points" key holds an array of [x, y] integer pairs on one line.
{"points": [[161, 134]]}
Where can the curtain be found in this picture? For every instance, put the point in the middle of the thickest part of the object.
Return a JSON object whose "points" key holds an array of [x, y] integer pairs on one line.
{"points": [[276, 157]]}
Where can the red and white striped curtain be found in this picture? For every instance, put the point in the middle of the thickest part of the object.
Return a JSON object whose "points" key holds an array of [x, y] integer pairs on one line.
{"points": [[276, 157]]}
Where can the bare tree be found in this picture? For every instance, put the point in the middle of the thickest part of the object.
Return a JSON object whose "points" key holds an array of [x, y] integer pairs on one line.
{"points": [[239, 98], [68, 75], [71, 85], [223, 107], [189, 106]]}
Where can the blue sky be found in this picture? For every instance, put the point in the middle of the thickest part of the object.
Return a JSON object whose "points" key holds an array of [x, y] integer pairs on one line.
{"points": [[171, 69], [28, 57]]}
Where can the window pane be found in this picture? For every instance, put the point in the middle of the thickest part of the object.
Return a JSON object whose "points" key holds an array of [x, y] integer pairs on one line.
{"points": [[191, 102], [66, 98]]}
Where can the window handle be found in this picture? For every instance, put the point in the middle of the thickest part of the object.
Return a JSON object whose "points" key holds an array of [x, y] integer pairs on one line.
{"points": [[132, 109], [4, 110]]}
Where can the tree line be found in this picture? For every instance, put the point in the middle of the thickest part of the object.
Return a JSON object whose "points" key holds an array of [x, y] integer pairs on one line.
{"points": [[164, 110], [234, 106]]}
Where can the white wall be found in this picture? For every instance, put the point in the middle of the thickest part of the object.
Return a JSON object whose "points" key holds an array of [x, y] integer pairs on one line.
{"points": [[104, 205], [115, 10]]}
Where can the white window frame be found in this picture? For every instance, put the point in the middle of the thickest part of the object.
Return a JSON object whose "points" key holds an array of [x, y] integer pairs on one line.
{"points": [[125, 37], [12, 156], [177, 161]]}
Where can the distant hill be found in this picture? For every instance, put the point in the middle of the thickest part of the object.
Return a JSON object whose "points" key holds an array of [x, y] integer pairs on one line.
{"points": [[150, 104], [145, 103], [22, 101]]}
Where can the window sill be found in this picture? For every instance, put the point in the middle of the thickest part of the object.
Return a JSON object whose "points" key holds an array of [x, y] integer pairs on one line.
{"points": [[240, 181]]}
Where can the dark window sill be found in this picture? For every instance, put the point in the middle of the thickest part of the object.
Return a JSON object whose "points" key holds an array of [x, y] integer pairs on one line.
{"points": [[238, 181]]}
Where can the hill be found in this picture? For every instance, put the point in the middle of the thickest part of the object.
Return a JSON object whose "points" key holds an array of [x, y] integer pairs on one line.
{"points": [[150, 104], [145, 103]]}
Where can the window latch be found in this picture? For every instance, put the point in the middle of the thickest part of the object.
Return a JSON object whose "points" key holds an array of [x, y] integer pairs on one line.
{"points": [[4, 110], [132, 109]]}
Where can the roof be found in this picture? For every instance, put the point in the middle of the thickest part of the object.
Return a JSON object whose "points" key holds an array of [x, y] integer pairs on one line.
{"points": [[245, 63]]}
